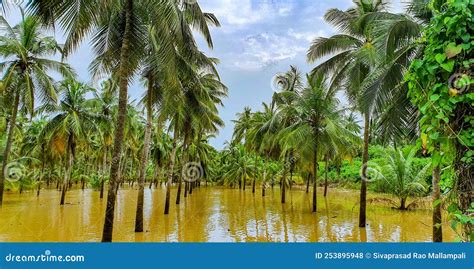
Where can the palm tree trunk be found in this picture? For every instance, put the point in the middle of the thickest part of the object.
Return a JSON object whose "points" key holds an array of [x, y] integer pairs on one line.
{"points": [[120, 125], [264, 178], [144, 160], [245, 178], [315, 179], [308, 179], [41, 175], [70, 163], [363, 185], [178, 194], [104, 169], [8, 147], [437, 228], [326, 176], [255, 176], [283, 184], [170, 173], [403, 202]]}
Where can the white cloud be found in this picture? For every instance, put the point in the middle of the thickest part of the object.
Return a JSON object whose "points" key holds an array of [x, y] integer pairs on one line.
{"points": [[266, 49], [308, 36], [242, 13]]}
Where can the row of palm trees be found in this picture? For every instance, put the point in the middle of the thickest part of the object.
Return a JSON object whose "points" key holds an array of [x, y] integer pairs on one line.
{"points": [[367, 59], [150, 39], [73, 128]]}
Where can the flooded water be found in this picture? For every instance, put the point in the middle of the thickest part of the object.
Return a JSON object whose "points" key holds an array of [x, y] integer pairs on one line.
{"points": [[210, 214]]}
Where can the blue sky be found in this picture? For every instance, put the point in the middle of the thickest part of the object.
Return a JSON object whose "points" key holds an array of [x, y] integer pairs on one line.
{"points": [[257, 40]]}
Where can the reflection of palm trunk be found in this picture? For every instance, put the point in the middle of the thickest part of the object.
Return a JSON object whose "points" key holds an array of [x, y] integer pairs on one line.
{"points": [[144, 160], [8, 147], [363, 186], [120, 126], [170, 173], [437, 229]]}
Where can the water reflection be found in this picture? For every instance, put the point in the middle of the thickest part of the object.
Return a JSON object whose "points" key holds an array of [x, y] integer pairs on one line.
{"points": [[210, 215]]}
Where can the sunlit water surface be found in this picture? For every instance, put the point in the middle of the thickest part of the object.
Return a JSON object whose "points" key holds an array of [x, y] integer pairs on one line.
{"points": [[210, 214]]}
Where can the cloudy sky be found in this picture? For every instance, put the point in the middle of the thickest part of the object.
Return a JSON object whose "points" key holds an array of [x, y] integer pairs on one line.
{"points": [[258, 39]]}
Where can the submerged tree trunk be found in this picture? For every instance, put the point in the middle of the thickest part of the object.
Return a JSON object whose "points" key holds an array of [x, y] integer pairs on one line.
{"points": [[315, 180], [245, 179], [283, 185], [144, 159], [104, 169], [40, 179], [326, 176], [264, 178], [363, 185], [308, 179], [170, 173], [8, 147], [403, 202], [120, 125], [437, 228], [178, 193], [70, 163], [255, 176]]}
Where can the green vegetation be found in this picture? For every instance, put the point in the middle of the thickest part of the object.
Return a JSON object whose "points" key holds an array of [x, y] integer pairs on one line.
{"points": [[407, 76]]}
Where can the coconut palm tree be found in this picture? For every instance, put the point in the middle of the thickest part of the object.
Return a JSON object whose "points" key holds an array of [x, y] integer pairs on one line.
{"points": [[316, 114], [104, 103], [70, 121], [240, 166], [402, 179], [25, 49], [352, 57]]}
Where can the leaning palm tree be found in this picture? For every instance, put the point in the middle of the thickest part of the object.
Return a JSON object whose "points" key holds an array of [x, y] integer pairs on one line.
{"points": [[25, 49], [352, 57], [71, 119]]}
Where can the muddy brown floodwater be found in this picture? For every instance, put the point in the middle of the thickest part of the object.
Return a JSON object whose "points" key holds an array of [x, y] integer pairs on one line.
{"points": [[210, 214]]}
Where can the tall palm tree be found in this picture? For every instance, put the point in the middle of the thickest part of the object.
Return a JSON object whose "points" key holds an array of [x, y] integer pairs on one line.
{"points": [[71, 119], [104, 103], [25, 50], [239, 167], [316, 114], [352, 57]]}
